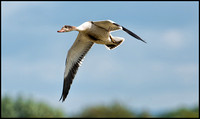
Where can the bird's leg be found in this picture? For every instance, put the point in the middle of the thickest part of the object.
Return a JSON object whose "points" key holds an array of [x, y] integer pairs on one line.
{"points": [[112, 39]]}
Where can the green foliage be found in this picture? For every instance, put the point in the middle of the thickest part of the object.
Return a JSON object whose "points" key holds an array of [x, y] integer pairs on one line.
{"points": [[117, 110], [7, 109], [182, 113], [21, 107], [144, 114], [27, 108], [113, 110]]}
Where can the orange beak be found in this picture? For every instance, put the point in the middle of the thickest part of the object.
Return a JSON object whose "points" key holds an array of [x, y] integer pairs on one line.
{"points": [[61, 31]]}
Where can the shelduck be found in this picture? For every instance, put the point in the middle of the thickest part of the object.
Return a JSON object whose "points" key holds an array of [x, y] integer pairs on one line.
{"points": [[89, 33]]}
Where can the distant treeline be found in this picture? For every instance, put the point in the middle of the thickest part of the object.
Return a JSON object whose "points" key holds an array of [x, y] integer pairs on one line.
{"points": [[21, 107]]}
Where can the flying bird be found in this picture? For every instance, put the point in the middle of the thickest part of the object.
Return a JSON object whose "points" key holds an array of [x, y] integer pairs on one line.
{"points": [[89, 33]]}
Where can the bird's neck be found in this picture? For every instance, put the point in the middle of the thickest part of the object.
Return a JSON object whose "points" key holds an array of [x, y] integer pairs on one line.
{"points": [[83, 27]]}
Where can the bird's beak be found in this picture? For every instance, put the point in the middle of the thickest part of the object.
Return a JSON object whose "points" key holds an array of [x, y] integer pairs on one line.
{"points": [[61, 30]]}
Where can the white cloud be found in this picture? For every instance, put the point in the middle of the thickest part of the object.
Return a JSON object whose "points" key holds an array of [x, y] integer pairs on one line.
{"points": [[27, 70], [10, 8], [14, 9], [174, 38], [187, 72], [184, 72]]}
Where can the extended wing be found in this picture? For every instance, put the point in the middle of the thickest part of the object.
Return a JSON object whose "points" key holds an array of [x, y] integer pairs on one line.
{"points": [[112, 26], [74, 58], [108, 25]]}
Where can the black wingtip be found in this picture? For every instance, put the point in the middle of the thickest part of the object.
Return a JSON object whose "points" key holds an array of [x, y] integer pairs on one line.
{"points": [[68, 81], [137, 37], [64, 93], [142, 40], [61, 98], [132, 34]]}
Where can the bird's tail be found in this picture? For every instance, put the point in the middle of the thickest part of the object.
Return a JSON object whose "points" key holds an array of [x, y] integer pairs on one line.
{"points": [[116, 42]]}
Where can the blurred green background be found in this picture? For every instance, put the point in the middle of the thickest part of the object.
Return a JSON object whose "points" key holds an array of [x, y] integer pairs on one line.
{"points": [[28, 107]]}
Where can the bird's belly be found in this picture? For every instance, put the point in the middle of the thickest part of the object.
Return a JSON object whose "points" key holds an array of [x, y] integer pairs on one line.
{"points": [[99, 38], [102, 41]]}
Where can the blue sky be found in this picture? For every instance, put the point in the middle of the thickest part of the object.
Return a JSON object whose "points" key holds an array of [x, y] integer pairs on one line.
{"points": [[159, 75]]}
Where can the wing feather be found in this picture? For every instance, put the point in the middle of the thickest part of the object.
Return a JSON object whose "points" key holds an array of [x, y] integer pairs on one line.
{"points": [[107, 25], [112, 26], [132, 34], [74, 58]]}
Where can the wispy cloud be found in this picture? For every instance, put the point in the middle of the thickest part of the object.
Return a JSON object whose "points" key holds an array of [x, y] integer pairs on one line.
{"points": [[170, 38], [174, 38], [11, 8], [188, 72]]}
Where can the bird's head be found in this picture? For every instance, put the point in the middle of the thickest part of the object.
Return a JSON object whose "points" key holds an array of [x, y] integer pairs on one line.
{"points": [[67, 28]]}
